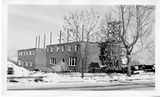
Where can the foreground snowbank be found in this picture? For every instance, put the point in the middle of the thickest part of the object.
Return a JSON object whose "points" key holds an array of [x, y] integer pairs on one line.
{"points": [[18, 71], [54, 80], [89, 77]]}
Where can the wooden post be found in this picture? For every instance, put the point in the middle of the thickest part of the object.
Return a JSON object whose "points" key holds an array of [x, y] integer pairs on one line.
{"points": [[67, 35], [60, 36], [39, 41], [50, 37], [82, 31], [36, 42], [44, 41]]}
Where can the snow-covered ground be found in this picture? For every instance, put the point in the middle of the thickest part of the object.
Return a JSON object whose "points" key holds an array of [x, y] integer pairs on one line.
{"points": [[27, 79]]}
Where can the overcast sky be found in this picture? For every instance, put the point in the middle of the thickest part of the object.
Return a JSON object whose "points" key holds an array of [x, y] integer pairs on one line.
{"points": [[25, 20]]}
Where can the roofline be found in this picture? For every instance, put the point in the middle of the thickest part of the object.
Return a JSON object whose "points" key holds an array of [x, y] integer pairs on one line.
{"points": [[70, 43], [29, 49]]}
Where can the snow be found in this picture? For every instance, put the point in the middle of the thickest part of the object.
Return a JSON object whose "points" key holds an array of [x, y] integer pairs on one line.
{"points": [[70, 79], [18, 71], [74, 80]]}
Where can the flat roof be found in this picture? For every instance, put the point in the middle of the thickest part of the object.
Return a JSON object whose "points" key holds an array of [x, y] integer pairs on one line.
{"points": [[72, 43], [31, 49]]}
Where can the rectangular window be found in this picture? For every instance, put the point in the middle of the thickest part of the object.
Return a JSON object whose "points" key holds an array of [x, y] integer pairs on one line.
{"points": [[10, 71], [69, 48], [47, 49], [52, 60], [72, 61], [26, 63], [19, 53], [27, 52], [32, 52], [31, 63], [57, 48], [51, 49], [19, 62], [76, 48], [23, 53], [63, 48]]}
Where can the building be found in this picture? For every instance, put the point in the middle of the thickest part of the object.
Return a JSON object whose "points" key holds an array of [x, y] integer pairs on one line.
{"points": [[33, 58], [73, 54]]}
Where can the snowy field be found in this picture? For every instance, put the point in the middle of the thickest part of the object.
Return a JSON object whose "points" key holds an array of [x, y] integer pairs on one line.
{"points": [[69, 80], [24, 79]]}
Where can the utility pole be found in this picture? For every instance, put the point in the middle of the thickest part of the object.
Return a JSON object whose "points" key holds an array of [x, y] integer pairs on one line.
{"points": [[50, 37], [60, 36], [67, 35], [82, 31], [36, 42], [44, 40]]}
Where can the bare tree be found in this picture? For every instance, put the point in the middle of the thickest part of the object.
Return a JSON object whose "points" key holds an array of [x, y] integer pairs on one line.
{"points": [[130, 34], [136, 26], [79, 26]]}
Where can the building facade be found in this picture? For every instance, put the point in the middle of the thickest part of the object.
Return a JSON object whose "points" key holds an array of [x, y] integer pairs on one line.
{"points": [[73, 55], [32, 58]]}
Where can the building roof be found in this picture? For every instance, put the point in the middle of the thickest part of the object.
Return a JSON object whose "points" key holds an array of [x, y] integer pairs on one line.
{"points": [[58, 44], [31, 49]]}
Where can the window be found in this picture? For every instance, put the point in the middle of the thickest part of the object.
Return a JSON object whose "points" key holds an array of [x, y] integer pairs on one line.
{"points": [[10, 71], [27, 52], [57, 48], [19, 53], [52, 60], [69, 48], [63, 60], [26, 63], [51, 49], [76, 48], [32, 52], [47, 49], [72, 61], [63, 48], [30, 64], [19, 62], [23, 53]]}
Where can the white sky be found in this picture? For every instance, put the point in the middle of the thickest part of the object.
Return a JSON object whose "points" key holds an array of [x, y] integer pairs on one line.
{"points": [[25, 20]]}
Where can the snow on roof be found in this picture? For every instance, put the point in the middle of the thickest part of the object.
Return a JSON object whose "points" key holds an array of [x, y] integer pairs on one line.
{"points": [[18, 71]]}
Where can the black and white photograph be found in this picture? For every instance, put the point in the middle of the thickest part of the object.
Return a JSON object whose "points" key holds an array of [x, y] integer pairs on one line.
{"points": [[80, 47]]}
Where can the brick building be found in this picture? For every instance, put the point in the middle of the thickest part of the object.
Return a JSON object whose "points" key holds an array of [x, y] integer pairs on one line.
{"points": [[72, 54], [32, 58]]}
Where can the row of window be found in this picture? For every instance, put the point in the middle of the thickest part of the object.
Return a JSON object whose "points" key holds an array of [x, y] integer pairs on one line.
{"points": [[22, 53], [63, 48], [25, 63], [52, 60], [72, 61]]}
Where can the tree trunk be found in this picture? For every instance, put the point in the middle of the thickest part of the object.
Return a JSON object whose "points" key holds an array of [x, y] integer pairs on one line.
{"points": [[128, 65]]}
